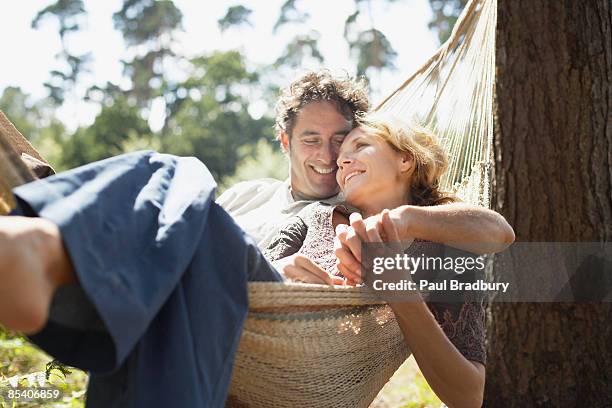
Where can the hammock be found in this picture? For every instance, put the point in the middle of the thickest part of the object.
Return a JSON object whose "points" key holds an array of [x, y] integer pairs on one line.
{"points": [[313, 345]]}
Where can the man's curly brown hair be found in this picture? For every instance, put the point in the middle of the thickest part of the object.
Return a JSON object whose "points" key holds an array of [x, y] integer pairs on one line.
{"points": [[350, 95]]}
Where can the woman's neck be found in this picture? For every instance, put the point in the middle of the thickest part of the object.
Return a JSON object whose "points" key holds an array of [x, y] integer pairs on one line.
{"points": [[377, 204]]}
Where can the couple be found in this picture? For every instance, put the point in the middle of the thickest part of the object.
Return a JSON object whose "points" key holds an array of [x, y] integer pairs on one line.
{"points": [[127, 268]]}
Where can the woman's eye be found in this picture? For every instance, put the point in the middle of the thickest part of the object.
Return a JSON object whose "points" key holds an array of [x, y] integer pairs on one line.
{"points": [[360, 145]]}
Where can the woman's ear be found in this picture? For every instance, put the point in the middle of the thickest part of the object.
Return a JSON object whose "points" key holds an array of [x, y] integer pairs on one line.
{"points": [[406, 162]]}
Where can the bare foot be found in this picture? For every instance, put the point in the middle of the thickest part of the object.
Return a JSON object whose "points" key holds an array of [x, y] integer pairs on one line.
{"points": [[33, 263]]}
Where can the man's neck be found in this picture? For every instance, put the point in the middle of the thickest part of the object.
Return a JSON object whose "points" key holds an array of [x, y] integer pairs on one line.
{"points": [[297, 196]]}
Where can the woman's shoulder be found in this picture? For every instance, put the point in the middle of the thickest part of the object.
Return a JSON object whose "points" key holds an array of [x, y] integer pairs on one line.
{"points": [[315, 209]]}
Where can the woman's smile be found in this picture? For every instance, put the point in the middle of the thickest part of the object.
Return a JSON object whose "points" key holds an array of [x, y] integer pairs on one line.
{"points": [[351, 175]]}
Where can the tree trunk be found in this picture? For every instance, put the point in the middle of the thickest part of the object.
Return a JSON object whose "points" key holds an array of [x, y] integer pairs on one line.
{"points": [[553, 182]]}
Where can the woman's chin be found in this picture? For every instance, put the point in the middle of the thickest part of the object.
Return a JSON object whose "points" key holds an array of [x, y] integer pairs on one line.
{"points": [[353, 197]]}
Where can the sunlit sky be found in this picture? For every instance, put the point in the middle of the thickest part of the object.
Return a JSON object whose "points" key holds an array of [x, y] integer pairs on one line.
{"points": [[29, 54]]}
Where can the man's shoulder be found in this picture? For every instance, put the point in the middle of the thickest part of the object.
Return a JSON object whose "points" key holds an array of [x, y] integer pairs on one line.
{"points": [[253, 186], [246, 190]]}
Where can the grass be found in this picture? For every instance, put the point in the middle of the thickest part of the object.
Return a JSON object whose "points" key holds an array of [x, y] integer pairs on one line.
{"points": [[26, 365], [407, 389]]}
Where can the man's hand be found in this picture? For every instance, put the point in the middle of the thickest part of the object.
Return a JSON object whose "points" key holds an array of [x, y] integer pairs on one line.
{"points": [[300, 268]]}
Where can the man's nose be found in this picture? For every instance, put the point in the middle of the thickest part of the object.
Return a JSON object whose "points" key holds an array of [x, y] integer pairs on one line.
{"points": [[328, 153]]}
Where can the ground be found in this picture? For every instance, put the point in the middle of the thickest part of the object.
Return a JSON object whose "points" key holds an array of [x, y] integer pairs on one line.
{"points": [[23, 363]]}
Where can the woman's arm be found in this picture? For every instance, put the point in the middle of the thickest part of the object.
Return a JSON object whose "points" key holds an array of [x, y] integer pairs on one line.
{"points": [[457, 381]]}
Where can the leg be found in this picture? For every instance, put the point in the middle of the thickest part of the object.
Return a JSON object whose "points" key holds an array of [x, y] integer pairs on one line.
{"points": [[165, 269], [33, 264]]}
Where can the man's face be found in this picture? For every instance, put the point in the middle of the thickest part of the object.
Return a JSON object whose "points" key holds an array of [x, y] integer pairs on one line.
{"points": [[313, 149]]}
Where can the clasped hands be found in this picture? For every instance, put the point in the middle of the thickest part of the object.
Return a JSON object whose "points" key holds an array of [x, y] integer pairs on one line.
{"points": [[387, 227]]}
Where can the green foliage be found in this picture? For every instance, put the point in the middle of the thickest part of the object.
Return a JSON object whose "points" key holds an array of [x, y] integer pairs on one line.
{"points": [[35, 121], [370, 47], [373, 50], [235, 16], [24, 364], [143, 21], [289, 13], [68, 13], [445, 16], [24, 115], [208, 116], [147, 24], [300, 49], [114, 126], [264, 160]]}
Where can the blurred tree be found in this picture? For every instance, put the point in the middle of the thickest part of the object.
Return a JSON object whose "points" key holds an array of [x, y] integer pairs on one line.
{"points": [[300, 49], [68, 14], [445, 14], [303, 48], [147, 27], [263, 160], [36, 121], [369, 46], [289, 13], [25, 115], [208, 113], [115, 127], [235, 16]]}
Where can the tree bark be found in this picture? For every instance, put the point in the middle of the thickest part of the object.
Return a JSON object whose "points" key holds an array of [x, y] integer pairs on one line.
{"points": [[553, 182]]}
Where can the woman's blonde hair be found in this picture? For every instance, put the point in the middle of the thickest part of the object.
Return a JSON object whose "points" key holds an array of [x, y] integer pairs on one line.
{"points": [[430, 161]]}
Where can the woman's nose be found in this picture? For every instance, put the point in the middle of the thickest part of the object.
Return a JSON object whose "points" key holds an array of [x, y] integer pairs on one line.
{"points": [[343, 160]]}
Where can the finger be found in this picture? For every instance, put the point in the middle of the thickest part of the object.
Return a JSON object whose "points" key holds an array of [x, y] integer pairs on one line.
{"points": [[341, 233], [358, 225], [299, 274], [314, 269], [337, 280], [346, 258], [391, 232], [348, 274], [373, 232], [353, 242], [341, 229]]}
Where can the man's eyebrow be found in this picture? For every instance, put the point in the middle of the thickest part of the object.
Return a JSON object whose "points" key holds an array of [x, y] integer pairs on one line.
{"points": [[309, 133]]}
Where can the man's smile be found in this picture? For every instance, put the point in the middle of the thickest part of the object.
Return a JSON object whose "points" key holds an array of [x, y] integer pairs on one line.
{"points": [[323, 170]]}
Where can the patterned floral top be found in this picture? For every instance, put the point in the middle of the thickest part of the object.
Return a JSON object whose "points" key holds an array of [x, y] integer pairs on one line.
{"points": [[311, 233]]}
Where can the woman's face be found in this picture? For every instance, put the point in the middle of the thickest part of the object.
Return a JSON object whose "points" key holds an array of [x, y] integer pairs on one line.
{"points": [[369, 170]]}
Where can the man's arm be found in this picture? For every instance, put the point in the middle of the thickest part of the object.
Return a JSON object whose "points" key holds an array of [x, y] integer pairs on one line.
{"points": [[460, 225]]}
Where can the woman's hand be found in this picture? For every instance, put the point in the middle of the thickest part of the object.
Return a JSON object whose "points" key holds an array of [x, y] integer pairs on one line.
{"points": [[300, 268], [384, 227]]}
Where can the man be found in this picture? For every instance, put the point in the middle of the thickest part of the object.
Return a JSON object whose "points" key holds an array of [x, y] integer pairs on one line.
{"points": [[313, 116], [148, 275]]}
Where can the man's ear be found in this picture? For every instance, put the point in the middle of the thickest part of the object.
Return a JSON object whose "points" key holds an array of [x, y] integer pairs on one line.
{"points": [[284, 140]]}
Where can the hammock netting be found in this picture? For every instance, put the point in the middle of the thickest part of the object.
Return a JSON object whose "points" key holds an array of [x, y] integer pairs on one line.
{"points": [[313, 345]]}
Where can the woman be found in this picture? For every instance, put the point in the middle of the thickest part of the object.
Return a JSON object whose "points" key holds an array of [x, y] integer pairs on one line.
{"points": [[386, 164]]}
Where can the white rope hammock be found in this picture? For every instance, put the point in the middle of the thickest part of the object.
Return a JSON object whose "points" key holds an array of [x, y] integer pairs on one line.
{"points": [[322, 346]]}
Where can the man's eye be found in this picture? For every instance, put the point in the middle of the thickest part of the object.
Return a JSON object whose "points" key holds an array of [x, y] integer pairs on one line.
{"points": [[311, 141]]}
